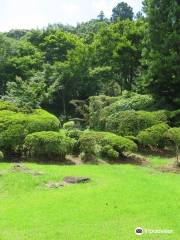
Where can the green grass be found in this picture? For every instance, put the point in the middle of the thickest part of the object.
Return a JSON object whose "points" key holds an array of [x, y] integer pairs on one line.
{"points": [[119, 198], [156, 161]]}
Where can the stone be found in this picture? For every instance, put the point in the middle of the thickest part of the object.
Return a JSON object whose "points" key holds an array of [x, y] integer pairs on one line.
{"points": [[67, 180], [73, 180]]}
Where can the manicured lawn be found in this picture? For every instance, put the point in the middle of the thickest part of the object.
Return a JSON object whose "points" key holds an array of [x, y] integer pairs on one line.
{"points": [[119, 199]]}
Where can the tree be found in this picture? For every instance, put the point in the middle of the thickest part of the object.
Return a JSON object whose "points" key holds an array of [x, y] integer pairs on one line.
{"points": [[28, 94], [7, 49], [122, 12], [16, 33], [161, 55], [56, 45], [126, 63], [101, 16], [139, 15], [173, 134]]}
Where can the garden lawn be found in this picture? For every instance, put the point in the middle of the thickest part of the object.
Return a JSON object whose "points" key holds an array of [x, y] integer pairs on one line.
{"points": [[117, 200]]}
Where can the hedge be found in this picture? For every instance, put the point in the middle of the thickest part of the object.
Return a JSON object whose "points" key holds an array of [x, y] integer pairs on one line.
{"points": [[48, 145], [130, 123], [14, 127], [100, 107], [69, 125], [104, 144], [173, 135], [153, 136], [5, 105]]}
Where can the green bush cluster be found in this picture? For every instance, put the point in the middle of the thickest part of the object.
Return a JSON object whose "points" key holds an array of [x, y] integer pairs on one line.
{"points": [[48, 145], [75, 134], [173, 135], [153, 136], [14, 127], [108, 145], [174, 118], [96, 104], [69, 125], [101, 107], [130, 122], [5, 105]]}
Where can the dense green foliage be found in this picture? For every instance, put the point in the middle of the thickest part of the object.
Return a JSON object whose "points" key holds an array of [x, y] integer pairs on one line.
{"points": [[153, 136], [104, 144], [4, 105], [53, 66], [114, 85], [122, 11], [48, 146], [69, 125], [103, 108], [162, 49], [131, 122], [174, 118], [173, 134], [118, 75], [124, 115], [14, 126]]}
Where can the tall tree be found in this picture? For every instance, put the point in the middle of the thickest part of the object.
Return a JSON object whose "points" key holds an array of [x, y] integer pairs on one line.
{"points": [[122, 12], [162, 50], [101, 16], [56, 45], [7, 49]]}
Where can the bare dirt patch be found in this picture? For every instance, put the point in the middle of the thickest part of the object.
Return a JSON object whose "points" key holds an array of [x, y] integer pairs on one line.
{"points": [[74, 159], [171, 168]]}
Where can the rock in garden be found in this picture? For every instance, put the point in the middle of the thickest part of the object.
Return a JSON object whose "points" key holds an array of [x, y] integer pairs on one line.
{"points": [[72, 180], [66, 181]]}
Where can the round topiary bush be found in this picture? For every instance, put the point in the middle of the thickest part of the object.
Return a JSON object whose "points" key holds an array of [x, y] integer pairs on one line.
{"points": [[75, 134], [5, 105], [174, 118], [15, 126], [130, 123], [69, 125], [48, 145], [104, 144], [102, 107], [108, 152], [153, 136], [173, 135]]}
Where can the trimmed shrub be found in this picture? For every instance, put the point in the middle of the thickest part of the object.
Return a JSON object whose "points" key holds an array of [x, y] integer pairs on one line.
{"points": [[130, 123], [173, 135], [101, 107], [1, 156], [96, 104], [69, 125], [94, 144], [75, 134], [14, 127], [108, 152], [174, 118], [153, 136], [48, 146], [4, 105]]}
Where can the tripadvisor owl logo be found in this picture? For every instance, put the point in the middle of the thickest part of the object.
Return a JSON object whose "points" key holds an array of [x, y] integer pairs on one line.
{"points": [[138, 231]]}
